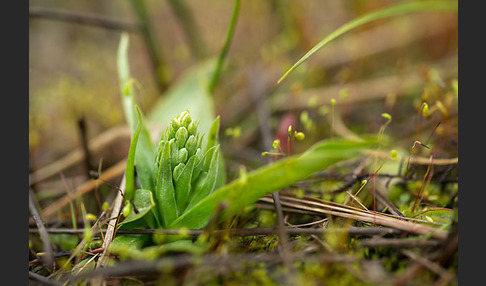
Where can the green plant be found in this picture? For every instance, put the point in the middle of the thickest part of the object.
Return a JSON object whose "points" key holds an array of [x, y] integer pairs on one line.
{"points": [[182, 186]]}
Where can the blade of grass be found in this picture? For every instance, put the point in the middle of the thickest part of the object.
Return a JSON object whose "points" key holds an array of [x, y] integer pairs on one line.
{"points": [[145, 153], [224, 50], [248, 189], [130, 169], [188, 25], [400, 9]]}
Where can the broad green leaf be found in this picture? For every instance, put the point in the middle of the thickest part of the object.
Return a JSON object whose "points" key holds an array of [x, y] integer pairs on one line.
{"points": [[248, 189], [164, 192], [144, 202], [189, 92], [400, 9], [144, 154], [130, 169]]}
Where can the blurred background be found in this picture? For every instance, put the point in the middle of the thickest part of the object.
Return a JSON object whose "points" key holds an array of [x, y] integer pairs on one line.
{"points": [[391, 65]]}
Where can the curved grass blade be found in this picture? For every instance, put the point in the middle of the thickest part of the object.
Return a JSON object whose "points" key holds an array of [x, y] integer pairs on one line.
{"points": [[248, 189], [130, 169], [224, 50], [405, 8], [144, 154]]}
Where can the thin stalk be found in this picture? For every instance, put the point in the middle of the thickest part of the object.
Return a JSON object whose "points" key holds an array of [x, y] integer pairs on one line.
{"points": [[186, 20], [224, 50], [148, 33]]}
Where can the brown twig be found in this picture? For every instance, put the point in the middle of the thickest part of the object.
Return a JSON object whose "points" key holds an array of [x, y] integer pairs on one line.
{"points": [[364, 231], [335, 209], [42, 279], [112, 224], [82, 18], [46, 241], [84, 144], [398, 243], [86, 187], [96, 144]]}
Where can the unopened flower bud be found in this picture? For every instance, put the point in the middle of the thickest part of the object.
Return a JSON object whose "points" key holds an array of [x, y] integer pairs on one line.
{"points": [[191, 145], [176, 124], [169, 132], [183, 155], [186, 119], [192, 127], [181, 137], [299, 136], [178, 170]]}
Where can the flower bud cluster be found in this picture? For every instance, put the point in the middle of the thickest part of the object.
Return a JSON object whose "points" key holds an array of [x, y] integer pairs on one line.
{"points": [[184, 141], [188, 164]]}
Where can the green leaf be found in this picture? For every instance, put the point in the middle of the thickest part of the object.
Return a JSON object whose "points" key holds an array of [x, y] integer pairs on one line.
{"points": [[400, 9], [211, 142], [190, 93], [144, 154], [183, 184], [203, 189], [130, 169], [247, 190], [164, 193], [213, 134], [144, 202]]}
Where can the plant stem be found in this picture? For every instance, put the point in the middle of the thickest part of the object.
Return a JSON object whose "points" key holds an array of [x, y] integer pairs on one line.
{"points": [[160, 69], [224, 50], [186, 20]]}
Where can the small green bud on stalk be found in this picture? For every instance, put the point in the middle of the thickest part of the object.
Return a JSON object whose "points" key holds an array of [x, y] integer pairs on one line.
{"points": [[299, 136]]}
